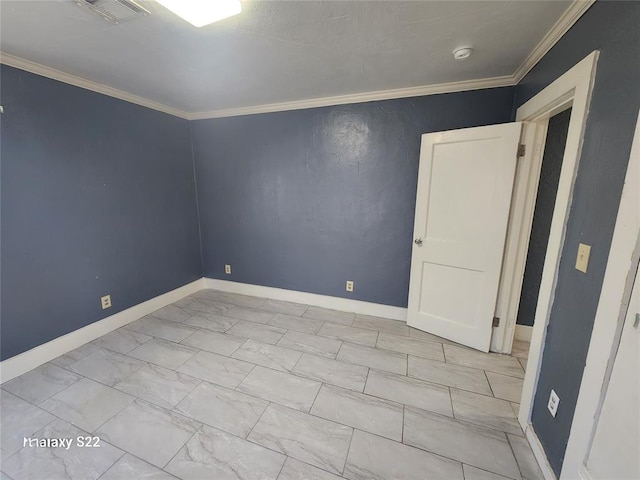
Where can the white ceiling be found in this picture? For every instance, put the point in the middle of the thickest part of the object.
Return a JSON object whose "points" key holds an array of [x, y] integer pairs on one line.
{"points": [[279, 51]]}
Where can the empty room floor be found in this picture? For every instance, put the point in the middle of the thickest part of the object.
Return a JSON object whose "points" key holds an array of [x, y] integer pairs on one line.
{"points": [[224, 386]]}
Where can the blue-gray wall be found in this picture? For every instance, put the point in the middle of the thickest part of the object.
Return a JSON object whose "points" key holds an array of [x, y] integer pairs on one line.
{"points": [[543, 214], [308, 199], [614, 29], [97, 197]]}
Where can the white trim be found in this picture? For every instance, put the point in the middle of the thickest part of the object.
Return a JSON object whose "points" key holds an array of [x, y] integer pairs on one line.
{"points": [[44, 71], [538, 452], [493, 82], [523, 333], [574, 87], [562, 26], [564, 23], [314, 299], [23, 362], [616, 288]]}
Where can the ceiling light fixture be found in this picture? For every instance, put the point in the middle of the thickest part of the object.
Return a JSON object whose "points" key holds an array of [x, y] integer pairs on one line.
{"points": [[202, 12], [462, 53]]}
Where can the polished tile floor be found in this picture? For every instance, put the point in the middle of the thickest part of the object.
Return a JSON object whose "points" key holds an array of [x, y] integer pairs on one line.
{"points": [[223, 386]]}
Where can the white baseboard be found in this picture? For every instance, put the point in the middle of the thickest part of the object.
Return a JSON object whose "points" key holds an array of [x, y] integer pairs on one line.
{"points": [[538, 452], [523, 333], [325, 301], [23, 362]]}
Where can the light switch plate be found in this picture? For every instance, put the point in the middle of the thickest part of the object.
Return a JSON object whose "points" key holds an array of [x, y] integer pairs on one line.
{"points": [[554, 401], [582, 261]]}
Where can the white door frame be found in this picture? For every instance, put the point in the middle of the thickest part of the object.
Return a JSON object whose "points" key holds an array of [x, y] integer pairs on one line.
{"points": [[610, 316], [571, 89]]}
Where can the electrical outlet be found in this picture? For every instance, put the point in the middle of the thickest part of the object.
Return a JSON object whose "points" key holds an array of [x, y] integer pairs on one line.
{"points": [[349, 285], [554, 401], [582, 260], [105, 301], [227, 269]]}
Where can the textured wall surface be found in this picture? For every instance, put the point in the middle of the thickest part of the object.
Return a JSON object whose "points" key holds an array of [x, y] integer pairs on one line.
{"points": [[612, 28], [542, 216], [97, 197], [308, 199]]}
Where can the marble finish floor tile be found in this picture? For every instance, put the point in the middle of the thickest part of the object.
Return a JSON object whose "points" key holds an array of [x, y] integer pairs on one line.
{"points": [[296, 470], [106, 366], [74, 463], [204, 305], [375, 458], [214, 342], [228, 410], [213, 454], [164, 353], [18, 419], [520, 349], [158, 385], [523, 363], [481, 447], [428, 337], [492, 362], [464, 378], [409, 391], [74, 355], [282, 388], [172, 313], [256, 331], [331, 316], [361, 336], [307, 438], [224, 371], [167, 330], [211, 321], [183, 302], [41, 383], [251, 315], [297, 324], [149, 432], [333, 372], [374, 358], [288, 308], [382, 325], [325, 347], [485, 411], [526, 460], [418, 348], [241, 300], [473, 473], [505, 387], [266, 355], [132, 468], [360, 411], [122, 340], [87, 404]]}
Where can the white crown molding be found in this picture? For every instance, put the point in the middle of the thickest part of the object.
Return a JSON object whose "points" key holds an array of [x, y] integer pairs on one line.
{"points": [[44, 71], [493, 82], [562, 26], [564, 23]]}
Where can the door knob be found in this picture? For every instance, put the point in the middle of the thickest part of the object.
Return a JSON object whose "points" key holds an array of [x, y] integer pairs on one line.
{"points": [[418, 241]]}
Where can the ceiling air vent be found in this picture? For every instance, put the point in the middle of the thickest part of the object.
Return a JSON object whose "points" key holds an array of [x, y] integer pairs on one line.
{"points": [[115, 11]]}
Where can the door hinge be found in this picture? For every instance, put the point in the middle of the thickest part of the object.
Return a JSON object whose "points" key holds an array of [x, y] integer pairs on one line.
{"points": [[496, 321], [522, 148]]}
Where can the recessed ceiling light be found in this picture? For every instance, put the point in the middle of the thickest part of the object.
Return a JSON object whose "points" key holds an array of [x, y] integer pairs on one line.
{"points": [[462, 53], [202, 12]]}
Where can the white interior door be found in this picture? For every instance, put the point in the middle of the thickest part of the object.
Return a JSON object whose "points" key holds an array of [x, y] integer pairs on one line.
{"points": [[465, 183], [615, 451]]}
